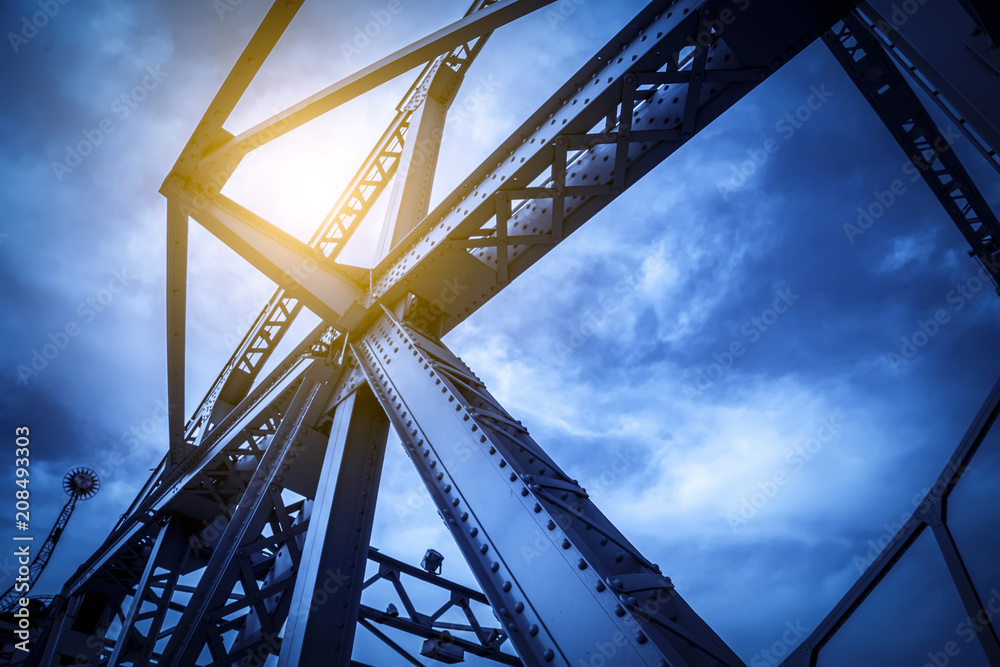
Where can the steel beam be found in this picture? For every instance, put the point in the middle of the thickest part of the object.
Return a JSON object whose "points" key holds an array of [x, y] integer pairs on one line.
{"points": [[177, 243], [419, 52], [637, 101], [645, 94], [322, 618], [209, 132], [875, 74], [135, 645], [959, 59], [972, 602], [484, 642], [303, 271], [204, 619], [562, 579], [410, 197], [235, 438]]}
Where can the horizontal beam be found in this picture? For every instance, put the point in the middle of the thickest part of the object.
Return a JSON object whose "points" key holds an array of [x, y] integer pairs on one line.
{"points": [[382, 71]]}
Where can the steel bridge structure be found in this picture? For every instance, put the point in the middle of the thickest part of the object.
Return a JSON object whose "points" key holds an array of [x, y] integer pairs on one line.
{"points": [[249, 543]]}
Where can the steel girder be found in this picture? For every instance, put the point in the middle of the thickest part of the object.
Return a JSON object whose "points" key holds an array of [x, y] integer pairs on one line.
{"points": [[638, 100], [872, 70], [561, 578], [145, 615], [471, 26], [335, 552], [207, 617], [208, 131]]}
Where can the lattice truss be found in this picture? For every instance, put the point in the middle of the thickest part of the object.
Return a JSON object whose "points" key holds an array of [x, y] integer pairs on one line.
{"points": [[251, 539]]}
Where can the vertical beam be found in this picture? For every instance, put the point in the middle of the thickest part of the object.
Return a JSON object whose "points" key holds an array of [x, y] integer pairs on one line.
{"points": [[324, 612], [410, 197], [337, 228], [200, 623], [561, 578], [177, 243]]}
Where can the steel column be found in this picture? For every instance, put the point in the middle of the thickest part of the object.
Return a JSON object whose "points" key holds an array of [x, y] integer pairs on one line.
{"points": [[327, 594], [204, 617], [971, 600], [177, 247], [367, 185]]}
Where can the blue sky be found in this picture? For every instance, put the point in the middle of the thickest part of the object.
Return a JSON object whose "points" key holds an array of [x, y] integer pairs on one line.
{"points": [[616, 350]]}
